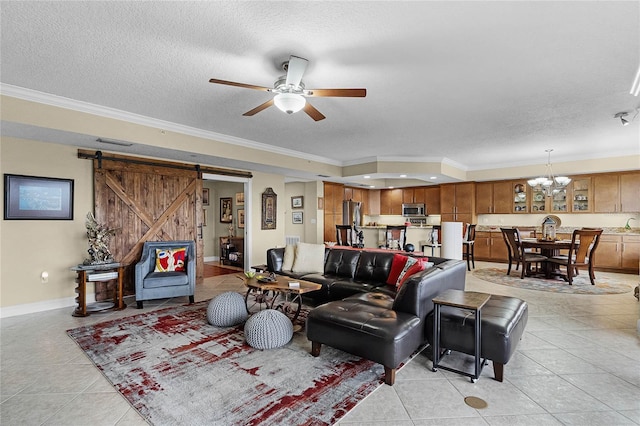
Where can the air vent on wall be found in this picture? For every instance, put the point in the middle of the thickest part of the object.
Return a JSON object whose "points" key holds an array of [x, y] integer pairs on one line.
{"points": [[114, 142]]}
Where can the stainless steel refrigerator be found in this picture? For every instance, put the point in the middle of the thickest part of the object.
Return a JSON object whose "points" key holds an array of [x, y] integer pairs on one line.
{"points": [[352, 213]]}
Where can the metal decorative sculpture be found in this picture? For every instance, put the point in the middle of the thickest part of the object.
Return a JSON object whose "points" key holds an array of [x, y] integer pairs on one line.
{"points": [[99, 236]]}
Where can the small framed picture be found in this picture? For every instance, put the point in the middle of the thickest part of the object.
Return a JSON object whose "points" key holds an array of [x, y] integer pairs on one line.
{"points": [[240, 218], [204, 217], [296, 217], [297, 202], [205, 196], [239, 198], [226, 215], [320, 203]]}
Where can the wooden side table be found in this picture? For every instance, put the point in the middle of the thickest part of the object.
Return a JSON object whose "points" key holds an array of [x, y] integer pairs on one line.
{"points": [[98, 273], [465, 300]]}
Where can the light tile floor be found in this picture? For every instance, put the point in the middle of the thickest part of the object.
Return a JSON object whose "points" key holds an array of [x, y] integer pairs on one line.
{"points": [[577, 364]]}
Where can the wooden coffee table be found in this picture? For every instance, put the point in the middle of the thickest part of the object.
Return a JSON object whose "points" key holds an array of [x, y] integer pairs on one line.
{"points": [[278, 294]]}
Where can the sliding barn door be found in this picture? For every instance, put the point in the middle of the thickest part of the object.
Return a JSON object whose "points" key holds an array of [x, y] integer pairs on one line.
{"points": [[145, 202]]}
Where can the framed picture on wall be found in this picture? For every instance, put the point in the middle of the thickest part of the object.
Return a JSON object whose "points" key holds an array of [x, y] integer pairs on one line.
{"points": [[226, 212], [297, 202], [269, 209], [204, 217], [37, 198], [205, 196], [296, 217], [240, 218], [239, 198]]}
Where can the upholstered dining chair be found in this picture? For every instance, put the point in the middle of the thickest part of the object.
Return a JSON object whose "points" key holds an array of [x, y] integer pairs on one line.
{"points": [[581, 253], [468, 243], [517, 254], [344, 235]]}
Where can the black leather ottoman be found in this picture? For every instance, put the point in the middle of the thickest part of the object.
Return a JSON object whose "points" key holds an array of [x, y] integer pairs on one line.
{"points": [[503, 322]]}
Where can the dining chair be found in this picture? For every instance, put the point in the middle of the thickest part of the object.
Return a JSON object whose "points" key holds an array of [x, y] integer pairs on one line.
{"points": [[581, 253], [516, 252], [434, 240], [344, 235], [396, 232], [468, 243]]}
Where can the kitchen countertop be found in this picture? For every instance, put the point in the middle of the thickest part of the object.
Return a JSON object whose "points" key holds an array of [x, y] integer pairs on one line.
{"points": [[564, 229]]}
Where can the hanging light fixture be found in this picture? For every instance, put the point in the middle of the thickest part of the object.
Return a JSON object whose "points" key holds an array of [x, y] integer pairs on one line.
{"points": [[548, 183], [289, 102]]}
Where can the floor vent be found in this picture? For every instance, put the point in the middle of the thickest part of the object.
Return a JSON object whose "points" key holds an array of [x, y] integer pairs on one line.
{"points": [[291, 239]]}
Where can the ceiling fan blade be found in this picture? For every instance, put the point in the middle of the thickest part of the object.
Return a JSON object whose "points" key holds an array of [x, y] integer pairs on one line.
{"points": [[296, 68], [312, 112], [233, 83], [347, 93], [259, 108]]}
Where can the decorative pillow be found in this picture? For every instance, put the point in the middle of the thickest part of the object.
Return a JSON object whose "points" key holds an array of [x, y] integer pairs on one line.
{"points": [[420, 265], [170, 259], [397, 265], [410, 262], [289, 257], [309, 258]]}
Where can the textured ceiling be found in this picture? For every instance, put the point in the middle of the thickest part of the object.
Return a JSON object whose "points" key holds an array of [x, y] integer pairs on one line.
{"points": [[478, 84]]}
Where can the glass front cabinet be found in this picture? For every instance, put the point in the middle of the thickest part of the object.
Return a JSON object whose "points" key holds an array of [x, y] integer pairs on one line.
{"points": [[520, 197], [581, 195]]}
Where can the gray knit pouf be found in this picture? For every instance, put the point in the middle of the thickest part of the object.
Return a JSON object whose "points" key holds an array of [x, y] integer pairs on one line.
{"points": [[268, 329], [227, 309]]}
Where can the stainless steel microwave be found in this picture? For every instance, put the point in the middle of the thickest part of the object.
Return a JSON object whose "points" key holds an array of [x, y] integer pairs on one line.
{"points": [[414, 210]]}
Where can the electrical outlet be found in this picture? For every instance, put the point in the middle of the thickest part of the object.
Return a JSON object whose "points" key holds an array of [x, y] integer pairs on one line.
{"points": [[44, 277]]}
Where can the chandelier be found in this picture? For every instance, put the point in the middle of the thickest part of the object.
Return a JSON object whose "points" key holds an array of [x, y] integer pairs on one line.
{"points": [[549, 184]]}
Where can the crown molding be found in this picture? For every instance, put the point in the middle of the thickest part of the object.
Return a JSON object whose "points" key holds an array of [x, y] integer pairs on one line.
{"points": [[116, 114]]}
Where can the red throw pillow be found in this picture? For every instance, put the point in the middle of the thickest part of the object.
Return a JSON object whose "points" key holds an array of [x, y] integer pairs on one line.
{"points": [[397, 265], [421, 265]]}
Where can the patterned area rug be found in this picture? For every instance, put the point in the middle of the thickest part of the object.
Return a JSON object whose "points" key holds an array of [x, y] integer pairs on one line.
{"points": [[581, 283], [175, 368]]}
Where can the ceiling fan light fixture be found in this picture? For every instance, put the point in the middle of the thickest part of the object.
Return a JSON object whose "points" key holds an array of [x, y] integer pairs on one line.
{"points": [[289, 102]]}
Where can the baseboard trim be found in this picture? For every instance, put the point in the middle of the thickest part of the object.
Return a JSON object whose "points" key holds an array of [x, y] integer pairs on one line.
{"points": [[45, 305]]}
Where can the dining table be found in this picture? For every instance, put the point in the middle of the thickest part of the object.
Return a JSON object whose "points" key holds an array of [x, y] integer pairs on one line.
{"points": [[547, 248]]}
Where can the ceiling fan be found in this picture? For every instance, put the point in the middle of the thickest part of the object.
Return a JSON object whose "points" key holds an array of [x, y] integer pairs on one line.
{"points": [[291, 93]]}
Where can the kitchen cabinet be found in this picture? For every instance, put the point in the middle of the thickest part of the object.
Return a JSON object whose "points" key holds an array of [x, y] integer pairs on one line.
{"points": [[608, 253], [618, 252], [614, 193], [432, 199], [493, 197], [391, 201], [333, 197], [373, 205], [631, 252], [413, 195], [490, 246], [518, 193], [581, 195], [457, 202]]}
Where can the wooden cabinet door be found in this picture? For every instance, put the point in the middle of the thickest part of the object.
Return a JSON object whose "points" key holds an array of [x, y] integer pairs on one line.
{"points": [[502, 197], [385, 201], [348, 193], [484, 197], [418, 195], [581, 196], [396, 201], [630, 252], [465, 198], [482, 245], [373, 206], [499, 251], [407, 195], [606, 193], [432, 199], [447, 199], [630, 192], [608, 253]]}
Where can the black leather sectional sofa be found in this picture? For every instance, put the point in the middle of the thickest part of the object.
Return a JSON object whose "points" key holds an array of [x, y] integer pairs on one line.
{"points": [[348, 272], [364, 315]]}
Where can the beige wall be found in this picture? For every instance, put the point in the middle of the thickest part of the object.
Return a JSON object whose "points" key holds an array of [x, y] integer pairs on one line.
{"points": [[30, 247]]}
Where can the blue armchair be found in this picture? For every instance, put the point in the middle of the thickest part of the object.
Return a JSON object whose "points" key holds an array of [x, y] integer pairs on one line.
{"points": [[159, 285]]}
